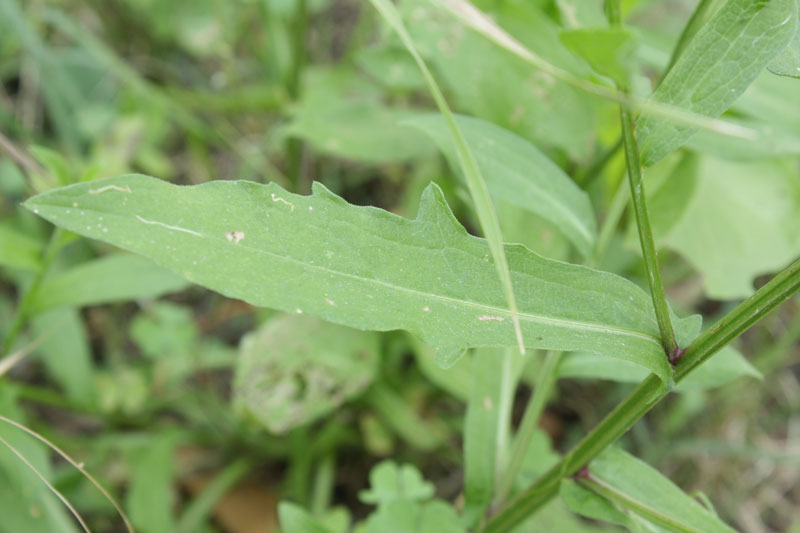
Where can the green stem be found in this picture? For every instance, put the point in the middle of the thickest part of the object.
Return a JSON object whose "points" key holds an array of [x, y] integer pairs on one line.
{"points": [[647, 395], [646, 234], [322, 489], [625, 501], [530, 421], [640, 211], [294, 146]]}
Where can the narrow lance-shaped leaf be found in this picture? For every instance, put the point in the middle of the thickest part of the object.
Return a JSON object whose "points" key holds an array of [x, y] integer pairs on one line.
{"points": [[360, 266], [643, 490], [469, 166], [719, 63], [518, 173]]}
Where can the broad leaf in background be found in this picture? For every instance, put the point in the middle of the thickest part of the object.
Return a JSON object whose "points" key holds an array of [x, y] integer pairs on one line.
{"points": [[644, 486], [788, 62], [108, 279], [725, 367], [742, 220], [492, 84], [362, 267], [610, 51], [295, 369], [719, 63], [518, 173]]}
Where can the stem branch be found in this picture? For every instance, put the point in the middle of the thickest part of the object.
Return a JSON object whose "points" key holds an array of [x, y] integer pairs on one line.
{"points": [[647, 395]]}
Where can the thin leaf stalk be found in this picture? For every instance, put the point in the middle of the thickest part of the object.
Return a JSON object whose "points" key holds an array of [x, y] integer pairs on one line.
{"points": [[645, 396], [639, 202], [530, 421], [646, 239]]}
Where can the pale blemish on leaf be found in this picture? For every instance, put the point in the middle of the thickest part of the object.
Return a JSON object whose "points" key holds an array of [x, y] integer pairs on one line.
{"points": [[276, 198], [124, 189], [174, 228], [235, 236], [490, 318]]}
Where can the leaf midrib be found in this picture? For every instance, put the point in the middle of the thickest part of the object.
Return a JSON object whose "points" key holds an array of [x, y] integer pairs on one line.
{"points": [[527, 316]]}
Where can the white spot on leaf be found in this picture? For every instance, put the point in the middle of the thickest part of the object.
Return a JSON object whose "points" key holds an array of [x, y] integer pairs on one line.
{"points": [[235, 236], [490, 318]]}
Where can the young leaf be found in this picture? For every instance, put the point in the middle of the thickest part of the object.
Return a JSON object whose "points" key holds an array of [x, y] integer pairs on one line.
{"points": [[296, 368], [718, 64], [610, 51], [517, 172], [390, 483], [360, 266], [646, 492]]}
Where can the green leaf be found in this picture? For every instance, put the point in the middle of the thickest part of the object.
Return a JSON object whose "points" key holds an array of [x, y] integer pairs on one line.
{"points": [[518, 173], [26, 504], [788, 62], [151, 495], [456, 380], [108, 279], [725, 367], [719, 63], [743, 220], [392, 483], [361, 131], [586, 503], [400, 415], [476, 183], [641, 487], [610, 51], [66, 353], [18, 250], [486, 427], [362, 267], [295, 519], [295, 369], [488, 82]]}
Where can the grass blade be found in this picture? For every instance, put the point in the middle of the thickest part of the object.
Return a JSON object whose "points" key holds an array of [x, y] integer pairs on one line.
{"points": [[475, 182]]}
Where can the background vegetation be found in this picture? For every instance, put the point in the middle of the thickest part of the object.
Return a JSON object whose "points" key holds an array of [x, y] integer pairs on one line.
{"points": [[201, 413]]}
